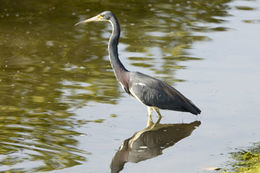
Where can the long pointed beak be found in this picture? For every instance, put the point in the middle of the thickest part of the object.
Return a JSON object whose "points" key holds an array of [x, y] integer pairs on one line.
{"points": [[95, 18]]}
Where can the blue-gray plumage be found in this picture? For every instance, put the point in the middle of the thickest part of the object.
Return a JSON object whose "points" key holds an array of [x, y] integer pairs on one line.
{"points": [[156, 93], [152, 92]]}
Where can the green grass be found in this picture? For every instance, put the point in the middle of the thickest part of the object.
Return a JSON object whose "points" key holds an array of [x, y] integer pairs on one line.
{"points": [[245, 161]]}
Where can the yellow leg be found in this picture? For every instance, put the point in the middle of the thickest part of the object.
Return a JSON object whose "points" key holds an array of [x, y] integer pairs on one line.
{"points": [[150, 120], [159, 115]]}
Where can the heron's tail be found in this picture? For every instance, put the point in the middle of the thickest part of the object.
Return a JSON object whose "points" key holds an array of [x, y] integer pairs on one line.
{"points": [[193, 108]]}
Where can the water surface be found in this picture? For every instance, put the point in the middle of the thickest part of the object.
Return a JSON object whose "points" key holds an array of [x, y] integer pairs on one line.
{"points": [[63, 110]]}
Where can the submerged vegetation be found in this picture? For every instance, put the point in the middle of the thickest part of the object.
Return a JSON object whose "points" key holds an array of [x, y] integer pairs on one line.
{"points": [[246, 161]]}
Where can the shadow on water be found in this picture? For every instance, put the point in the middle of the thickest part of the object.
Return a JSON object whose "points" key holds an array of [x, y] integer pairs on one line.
{"points": [[150, 142]]}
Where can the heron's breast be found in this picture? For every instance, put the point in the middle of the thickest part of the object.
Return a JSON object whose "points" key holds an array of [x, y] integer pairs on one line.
{"points": [[126, 88], [134, 95], [137, 91]]}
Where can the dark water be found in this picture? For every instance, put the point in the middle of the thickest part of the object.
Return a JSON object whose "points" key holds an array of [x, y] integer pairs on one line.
{"points": [[62, 110]]}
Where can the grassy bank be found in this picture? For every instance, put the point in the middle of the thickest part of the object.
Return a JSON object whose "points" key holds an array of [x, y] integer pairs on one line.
{"points": [[245, 161]]}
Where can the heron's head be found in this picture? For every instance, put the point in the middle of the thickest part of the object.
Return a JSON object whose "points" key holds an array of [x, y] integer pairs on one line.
{"points": [[104, 16]]}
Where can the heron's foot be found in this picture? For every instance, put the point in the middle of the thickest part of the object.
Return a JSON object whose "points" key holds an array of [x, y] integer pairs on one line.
{"points": [[150, 123]]}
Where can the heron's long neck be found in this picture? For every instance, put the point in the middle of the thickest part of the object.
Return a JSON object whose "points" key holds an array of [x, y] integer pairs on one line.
{"points": [[117, 65]]}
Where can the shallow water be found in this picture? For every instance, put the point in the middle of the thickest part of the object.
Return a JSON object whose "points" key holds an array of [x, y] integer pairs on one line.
{"points": [[62, 109]]}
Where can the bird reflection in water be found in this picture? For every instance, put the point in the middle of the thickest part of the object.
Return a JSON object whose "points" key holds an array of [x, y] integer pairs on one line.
{"points": [[150, 142]]}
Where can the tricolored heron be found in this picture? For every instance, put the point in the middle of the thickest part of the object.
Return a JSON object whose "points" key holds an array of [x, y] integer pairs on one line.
{"points": [[154, 93]]}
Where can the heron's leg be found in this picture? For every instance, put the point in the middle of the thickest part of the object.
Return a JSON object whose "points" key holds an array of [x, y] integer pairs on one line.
{"points": [[159, 115], [150, 120]]}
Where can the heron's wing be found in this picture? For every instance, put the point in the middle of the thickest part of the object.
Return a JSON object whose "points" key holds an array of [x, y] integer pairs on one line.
{"points": [[154, 92]]}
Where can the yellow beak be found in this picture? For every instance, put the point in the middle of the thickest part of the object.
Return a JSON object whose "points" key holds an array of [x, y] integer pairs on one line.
{"points": [[92, 19]]}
